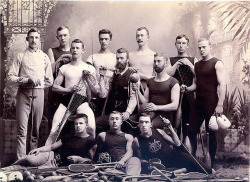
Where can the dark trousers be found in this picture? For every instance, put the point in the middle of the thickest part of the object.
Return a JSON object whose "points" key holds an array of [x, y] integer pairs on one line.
{"points": [[204, 109]]}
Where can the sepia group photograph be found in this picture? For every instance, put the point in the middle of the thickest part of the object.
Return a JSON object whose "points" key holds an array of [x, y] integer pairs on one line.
{"points": [[121, 91]]}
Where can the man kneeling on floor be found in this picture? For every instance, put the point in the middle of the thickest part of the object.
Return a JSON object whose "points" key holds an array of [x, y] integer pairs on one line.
{"points": [[116, 146], [79, 148], [155, 143]]}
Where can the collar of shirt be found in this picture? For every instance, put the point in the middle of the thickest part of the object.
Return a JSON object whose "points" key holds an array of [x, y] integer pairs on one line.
{"points": [[121, 73]]}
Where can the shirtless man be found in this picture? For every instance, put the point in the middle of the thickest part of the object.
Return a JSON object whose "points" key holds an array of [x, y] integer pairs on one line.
{"points": [[142, 58], [72, 73], [181, 67], [209, 83], [115, 145], [162, 93], [104, 58], [58, 56]]}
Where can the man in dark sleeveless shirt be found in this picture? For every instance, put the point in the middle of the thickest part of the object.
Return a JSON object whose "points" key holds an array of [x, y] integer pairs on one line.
{"points": [[115, 145], [209, 83], [181, 67], [121, 97], [162, 92], [155, 143], [58, 56]]}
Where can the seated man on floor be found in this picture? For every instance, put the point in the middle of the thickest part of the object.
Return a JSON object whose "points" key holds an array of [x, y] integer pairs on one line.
{"points": [[155, 143], [79, 148], [116, 146], [162, 93]]}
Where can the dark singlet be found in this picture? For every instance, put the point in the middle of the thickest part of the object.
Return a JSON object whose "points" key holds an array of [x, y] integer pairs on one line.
{"points": [[154, 147], [57, 53], [207, 82], [119, 93], [184, 70], [115, 144], [76, 146], [160, 92]]}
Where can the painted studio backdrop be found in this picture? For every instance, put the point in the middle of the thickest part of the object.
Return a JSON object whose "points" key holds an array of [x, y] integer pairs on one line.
{"points": [[228, 32]]}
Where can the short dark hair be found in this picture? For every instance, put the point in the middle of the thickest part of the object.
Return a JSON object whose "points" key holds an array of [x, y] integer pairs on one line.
{"points": [[61, 28], [144, 114], [161, 54], [81, 115], [105, 31], [78, 41], [123, 50], [116, 112], [32, 30], [143, 28], [182, 36]]}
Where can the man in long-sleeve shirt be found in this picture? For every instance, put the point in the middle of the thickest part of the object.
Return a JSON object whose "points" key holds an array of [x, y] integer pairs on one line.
{"points": [[31, 71]]}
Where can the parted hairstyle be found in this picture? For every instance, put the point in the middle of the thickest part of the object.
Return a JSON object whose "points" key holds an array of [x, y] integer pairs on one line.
{"points": [[143, 28], [106, 31], [182, 36], [61, 28], [78, 41], [123, 50]]}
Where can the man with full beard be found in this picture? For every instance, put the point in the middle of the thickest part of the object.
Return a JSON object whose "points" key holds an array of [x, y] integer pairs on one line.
{"points": [[121, 97], [162, 93]]}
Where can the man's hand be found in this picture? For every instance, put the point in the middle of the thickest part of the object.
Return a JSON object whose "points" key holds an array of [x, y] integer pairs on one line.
{"points": [[133, 69], [77, 159], [64, 58], [150, 107], [75, 88], [183, 88], [219, 110], [134, 86], [119, 164], [185, 61], [125, 116], [34, 82], [165, 121], [103, 70]]}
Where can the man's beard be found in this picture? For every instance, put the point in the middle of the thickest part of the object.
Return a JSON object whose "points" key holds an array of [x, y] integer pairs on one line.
{"points": [[158, 69], [121, 66]]}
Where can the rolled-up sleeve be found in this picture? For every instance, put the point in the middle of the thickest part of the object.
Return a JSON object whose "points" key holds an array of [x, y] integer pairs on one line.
{"points": [[48, 77]]}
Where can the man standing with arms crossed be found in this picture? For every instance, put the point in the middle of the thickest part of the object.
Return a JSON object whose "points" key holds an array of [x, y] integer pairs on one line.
{"points": [[181, 67], [209, 83], [31, 70], [58, 56], [104, 58], [142, 58]]}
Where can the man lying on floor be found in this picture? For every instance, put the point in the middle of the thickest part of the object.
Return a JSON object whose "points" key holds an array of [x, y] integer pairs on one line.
{"points": [[155, 143], [79, 148]]}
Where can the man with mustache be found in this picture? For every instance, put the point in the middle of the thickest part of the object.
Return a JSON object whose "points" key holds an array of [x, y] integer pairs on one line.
{"points": [[104, 58], [209, 83], [162, 93], [121, 97], [181, 67], [142, 58], [31, 71]]}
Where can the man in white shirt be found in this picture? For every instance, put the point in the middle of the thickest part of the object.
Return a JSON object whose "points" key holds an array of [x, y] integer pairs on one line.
{"points": [[31, 70], [104, 58], [72, 73]]}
